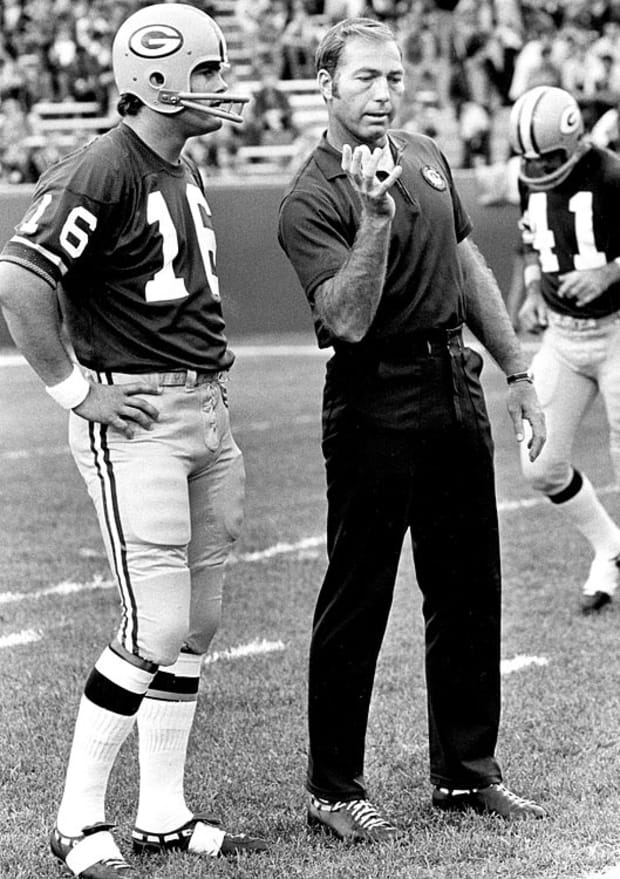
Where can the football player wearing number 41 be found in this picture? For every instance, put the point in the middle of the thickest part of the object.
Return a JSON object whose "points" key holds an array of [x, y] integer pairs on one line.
{"points": [[570, 197], [119, 234]]}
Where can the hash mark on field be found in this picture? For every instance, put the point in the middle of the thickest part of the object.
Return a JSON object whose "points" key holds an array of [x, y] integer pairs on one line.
{"points": [[16, 639], [609, 873], [280, 549], [67, 587], [518, 662], [41, 452], [254, 648]]}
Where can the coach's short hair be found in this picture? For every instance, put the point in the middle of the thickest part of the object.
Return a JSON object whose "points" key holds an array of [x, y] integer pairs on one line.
{"points": [[333, 42]]}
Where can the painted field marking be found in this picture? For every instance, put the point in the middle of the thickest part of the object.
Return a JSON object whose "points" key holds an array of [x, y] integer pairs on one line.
{"points": [[67, 587], [10, 359], [278, 549], [17, 639], [612, 872], [507, 666], [254, 648]]}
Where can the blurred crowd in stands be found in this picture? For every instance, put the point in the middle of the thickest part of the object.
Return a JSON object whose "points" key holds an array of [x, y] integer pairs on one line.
{"points": [[467, 61]]}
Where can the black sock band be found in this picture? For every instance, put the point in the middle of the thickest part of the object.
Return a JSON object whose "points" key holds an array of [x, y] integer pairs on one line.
{"points": [[106, 694], [573, 488]]}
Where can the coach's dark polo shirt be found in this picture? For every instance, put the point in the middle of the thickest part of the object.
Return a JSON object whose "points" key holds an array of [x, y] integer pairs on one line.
{"points": [[319, 217]]}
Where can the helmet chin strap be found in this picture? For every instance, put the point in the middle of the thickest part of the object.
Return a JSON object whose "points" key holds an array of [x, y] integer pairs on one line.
{"points": [[549, 181], [196, 101]]}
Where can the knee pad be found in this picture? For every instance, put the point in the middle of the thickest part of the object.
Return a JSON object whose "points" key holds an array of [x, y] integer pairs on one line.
{"points": [[161, 606]]}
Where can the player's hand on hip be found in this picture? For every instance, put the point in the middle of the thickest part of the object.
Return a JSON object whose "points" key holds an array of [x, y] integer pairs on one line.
{"points": [[120, 406], [523, 405], [360, 165], [533, 313], [585, 285]]}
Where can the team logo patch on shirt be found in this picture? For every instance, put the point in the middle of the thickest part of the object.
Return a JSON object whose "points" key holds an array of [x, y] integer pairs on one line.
{"points": [[433, 177]]}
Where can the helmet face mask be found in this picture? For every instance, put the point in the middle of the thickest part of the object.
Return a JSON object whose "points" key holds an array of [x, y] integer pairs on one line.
{"points": [[546, 129], [158, 48]]}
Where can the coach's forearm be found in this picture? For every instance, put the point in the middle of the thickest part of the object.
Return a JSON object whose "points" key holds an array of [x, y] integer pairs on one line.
{"points": [[347, 302], [486, 313]]}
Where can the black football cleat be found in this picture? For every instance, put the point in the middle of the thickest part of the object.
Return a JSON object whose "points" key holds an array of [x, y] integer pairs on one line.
{"points": [[591, 604], [495, 799], [202, 835], [91, 855], [352, 821]]}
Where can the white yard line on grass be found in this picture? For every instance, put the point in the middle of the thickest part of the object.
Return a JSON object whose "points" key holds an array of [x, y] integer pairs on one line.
{"points": [[16, 639], [261, 555], [254, 648], [517, 663], [10, 359], [609, 873]]}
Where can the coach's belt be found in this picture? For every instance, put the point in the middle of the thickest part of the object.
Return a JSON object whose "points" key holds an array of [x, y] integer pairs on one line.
{"points": [[419, 344], [435, 341], [568, 322]]}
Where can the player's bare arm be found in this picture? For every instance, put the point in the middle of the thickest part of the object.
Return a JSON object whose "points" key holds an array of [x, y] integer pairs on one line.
{"points": [[348, 302], [30, 309], [488, 319], [585, 285]]}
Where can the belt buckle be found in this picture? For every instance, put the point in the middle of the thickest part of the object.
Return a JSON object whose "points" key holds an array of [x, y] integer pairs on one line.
{"points": [[191, 379]]}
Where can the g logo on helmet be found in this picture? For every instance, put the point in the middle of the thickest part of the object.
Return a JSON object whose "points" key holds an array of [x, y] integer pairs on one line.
{"points": [[569, 120], [156, 41]]}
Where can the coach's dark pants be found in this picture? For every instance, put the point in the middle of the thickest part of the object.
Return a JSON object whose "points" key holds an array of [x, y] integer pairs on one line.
{"points": [[428, 469]]}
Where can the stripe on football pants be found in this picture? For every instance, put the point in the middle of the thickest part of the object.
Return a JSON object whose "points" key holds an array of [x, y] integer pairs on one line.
{"points": [[128, 636]]}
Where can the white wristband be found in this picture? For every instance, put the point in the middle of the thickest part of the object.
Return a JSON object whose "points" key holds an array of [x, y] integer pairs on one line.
{"points": [[70, 392], [531, 273]]}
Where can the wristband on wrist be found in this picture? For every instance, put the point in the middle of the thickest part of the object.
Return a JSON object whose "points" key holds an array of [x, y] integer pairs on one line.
{"points": [[519, 377], [71, 391], [531, 274]]}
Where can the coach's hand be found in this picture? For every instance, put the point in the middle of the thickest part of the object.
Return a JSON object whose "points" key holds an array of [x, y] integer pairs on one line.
{"points": [[523, 406], [361, 167], [120, 406]]}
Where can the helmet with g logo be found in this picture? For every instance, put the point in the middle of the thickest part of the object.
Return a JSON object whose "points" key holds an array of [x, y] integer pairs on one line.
{"points": [[155, 52], [546, 129]]}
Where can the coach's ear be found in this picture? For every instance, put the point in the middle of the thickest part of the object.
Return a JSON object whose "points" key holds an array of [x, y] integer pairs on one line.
{"points": [[325, 82]]}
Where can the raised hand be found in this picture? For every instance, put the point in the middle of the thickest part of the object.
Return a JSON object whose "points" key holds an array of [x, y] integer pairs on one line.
{"points": [[360, 164]]}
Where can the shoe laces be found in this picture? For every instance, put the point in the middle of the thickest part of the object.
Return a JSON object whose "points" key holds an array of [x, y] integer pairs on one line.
{"points": [[366, 815], [515, 799]]}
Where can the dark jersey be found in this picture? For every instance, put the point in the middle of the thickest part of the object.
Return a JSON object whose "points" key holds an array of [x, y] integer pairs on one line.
{"points": [[129, 240], [319, 218], [576, 226]]}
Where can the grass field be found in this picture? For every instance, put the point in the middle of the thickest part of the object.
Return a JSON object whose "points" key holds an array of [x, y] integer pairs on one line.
{"points": [[561, 688]]}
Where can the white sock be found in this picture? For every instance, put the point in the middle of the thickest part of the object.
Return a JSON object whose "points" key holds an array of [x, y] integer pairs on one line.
{"points": [[164, 727], [591, 518], [97, 740], [99, 733]]}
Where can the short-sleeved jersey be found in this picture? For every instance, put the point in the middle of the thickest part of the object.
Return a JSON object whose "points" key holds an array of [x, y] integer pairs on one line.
{"points": [[576, 226], [320, 216], [128, 239]]}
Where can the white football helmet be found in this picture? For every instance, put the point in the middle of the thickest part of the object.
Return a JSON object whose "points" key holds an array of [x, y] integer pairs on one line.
{"points": [[155, 52], [546, 129]]}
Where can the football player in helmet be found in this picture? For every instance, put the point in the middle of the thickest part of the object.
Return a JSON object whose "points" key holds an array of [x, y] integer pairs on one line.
{"points": [[570, 224], [125, 225]]}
